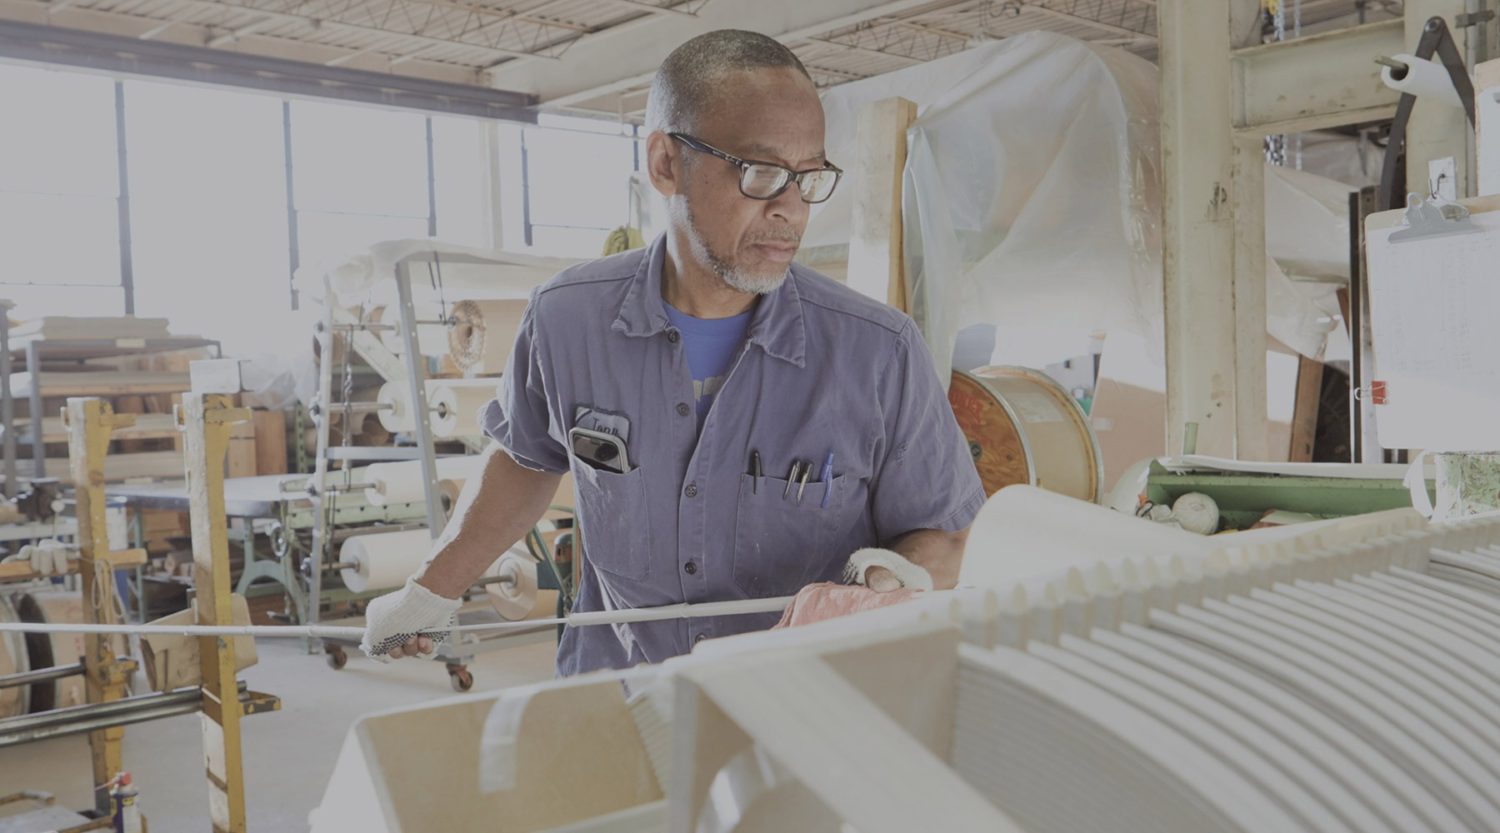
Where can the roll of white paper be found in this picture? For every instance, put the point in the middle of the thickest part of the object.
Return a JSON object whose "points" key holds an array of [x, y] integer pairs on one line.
{"points": [[402, 482], [1426, 80], [383, 560], [455, 405]]}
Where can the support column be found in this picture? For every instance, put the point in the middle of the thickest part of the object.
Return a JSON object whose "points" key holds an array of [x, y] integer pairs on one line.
{"points": [[1249, 206], [1198, 229], [206, 422], [1436, 131], [90, 422], [875, 256]]}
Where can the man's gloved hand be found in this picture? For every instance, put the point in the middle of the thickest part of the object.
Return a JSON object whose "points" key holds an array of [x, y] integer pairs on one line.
{"points": [[885, 570], [48, 557], [393, 620]]}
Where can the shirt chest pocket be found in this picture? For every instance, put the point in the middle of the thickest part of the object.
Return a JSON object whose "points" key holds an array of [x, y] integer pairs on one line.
{"points": [[613, 514], [782, 543]]}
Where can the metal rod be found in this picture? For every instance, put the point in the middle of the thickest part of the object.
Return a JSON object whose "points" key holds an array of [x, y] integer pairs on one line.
{"points": [[40, 676], [737, 607], [1398, 66], [110, 709], [91, 717]]}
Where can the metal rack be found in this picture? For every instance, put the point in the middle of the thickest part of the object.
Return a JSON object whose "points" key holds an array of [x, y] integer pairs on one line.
{"points": [[80, 350], [325, 492]]}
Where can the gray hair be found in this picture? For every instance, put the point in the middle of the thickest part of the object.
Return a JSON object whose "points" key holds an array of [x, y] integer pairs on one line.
{"points": [[692, 76]]}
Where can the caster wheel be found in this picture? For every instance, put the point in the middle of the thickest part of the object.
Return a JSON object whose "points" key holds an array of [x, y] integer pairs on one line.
{"points": [[336, 658], [461, 680]]}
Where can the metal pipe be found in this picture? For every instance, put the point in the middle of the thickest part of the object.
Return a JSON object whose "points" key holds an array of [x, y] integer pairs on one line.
{"points": [[42, 675], [92, 716]]}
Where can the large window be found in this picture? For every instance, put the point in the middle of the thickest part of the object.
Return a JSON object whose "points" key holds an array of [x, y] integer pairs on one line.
{"points": [[59, 190], [575, 175], [208, 209], [214, 230]]}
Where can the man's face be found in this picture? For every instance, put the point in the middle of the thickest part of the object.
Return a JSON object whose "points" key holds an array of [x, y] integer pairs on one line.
{"points": [[764, 116]]}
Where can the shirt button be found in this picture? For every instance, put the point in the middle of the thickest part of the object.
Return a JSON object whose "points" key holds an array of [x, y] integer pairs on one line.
{"points": [[699, 638], [683, 409], [691, 490], [690, 568], [673, 336]]}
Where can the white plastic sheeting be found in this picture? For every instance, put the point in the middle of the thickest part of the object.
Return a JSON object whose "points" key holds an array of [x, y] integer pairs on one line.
{"points": [[1033, 203]]}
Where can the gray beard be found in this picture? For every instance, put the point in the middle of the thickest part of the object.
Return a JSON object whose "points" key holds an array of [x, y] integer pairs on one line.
{"points": [[736, 279]]}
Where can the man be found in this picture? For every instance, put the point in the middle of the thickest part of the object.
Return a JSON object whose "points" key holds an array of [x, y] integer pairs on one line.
{"points": [[770, 422]]}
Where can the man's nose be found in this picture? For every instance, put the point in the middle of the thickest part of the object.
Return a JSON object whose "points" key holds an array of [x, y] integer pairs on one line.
{"points": [[788, 206]]}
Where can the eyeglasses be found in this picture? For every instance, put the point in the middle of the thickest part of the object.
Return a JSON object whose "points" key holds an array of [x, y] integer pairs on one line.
{"points": [[766, 180]]}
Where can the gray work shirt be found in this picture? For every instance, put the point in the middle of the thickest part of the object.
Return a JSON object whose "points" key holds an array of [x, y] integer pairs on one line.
{"points": [[823, 369]]}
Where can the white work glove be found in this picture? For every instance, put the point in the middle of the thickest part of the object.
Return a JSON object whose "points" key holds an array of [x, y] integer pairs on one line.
{"points": [[899, 572], [48, 557], [395, 619]]}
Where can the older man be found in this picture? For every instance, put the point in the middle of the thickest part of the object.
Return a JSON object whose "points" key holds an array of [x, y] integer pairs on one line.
{"points": [[737, 426]]}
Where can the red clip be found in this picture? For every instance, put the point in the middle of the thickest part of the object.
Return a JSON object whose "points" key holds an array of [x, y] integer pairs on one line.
{"points": [[1377, 393]]}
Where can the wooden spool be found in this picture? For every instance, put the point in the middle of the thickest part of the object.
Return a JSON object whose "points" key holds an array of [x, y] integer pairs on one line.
{"points": [[1023, 427], [13, 660], [48, 650]]}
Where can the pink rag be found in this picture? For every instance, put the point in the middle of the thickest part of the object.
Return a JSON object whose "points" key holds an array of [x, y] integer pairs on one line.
{"points": [[826, 600]]}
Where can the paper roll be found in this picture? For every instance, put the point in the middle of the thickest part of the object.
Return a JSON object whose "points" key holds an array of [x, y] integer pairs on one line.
{"points": [[516, 599], [383, 560], [432, 339], [453, 404], [393, 483], [450, 490], [484, 333], [456, 404], [398, 417], [1424, 79]]}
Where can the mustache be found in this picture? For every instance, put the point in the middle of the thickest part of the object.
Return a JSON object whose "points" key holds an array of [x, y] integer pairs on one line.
{"points": [[791, 237]]}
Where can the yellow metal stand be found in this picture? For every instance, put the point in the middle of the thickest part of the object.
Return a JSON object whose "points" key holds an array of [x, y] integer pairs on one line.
{"points": [[205, 421], [90, 423]]}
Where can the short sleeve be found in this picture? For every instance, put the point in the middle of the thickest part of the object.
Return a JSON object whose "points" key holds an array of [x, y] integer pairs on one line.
{"points": [[520, 418], [926, 477]]}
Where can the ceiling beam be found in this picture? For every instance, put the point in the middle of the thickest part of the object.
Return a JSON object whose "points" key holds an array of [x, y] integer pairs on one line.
{"points": [[626, 56], [341, 25], [123, 56], [868, 50], [1088, 21]]}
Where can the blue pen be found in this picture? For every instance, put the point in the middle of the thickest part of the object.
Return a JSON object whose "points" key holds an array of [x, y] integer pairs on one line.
{"points": [[827, 478]]}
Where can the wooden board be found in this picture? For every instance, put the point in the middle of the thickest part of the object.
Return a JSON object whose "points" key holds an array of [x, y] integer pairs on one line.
{"points": [[876, 267], [173, 661], [101, 383], [270, 442], [1305, 412], [147, 426]]}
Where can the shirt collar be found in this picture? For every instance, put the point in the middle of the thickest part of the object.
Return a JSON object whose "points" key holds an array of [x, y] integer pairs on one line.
{"points": [[777, 326]]}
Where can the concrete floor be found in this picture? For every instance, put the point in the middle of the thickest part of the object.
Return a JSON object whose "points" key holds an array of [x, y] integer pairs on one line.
{"points": [[289, 754]]}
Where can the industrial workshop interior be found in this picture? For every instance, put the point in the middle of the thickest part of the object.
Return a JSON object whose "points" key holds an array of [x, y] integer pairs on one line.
{"points": [[749, 416]]}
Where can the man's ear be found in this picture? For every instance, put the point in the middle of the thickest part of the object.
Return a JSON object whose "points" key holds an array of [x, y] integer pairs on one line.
{"points": [[664, 164]]}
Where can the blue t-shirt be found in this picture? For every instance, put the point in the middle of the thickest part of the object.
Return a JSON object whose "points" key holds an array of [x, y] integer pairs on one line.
{"points": [[710, 345]]}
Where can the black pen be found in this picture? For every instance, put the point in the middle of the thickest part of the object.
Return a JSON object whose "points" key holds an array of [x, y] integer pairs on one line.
{"points": [[754, 471]]}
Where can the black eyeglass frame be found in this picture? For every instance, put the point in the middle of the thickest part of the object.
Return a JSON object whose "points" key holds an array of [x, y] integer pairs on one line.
{"points": [[793, 176]]}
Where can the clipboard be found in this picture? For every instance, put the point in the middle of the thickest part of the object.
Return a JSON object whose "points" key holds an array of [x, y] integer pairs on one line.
{"points": [[1433, 279]]}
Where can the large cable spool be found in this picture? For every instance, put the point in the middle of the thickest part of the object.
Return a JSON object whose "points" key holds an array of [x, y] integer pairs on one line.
{"points": [[48, 650], [13, 660], [1022, 427]]}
